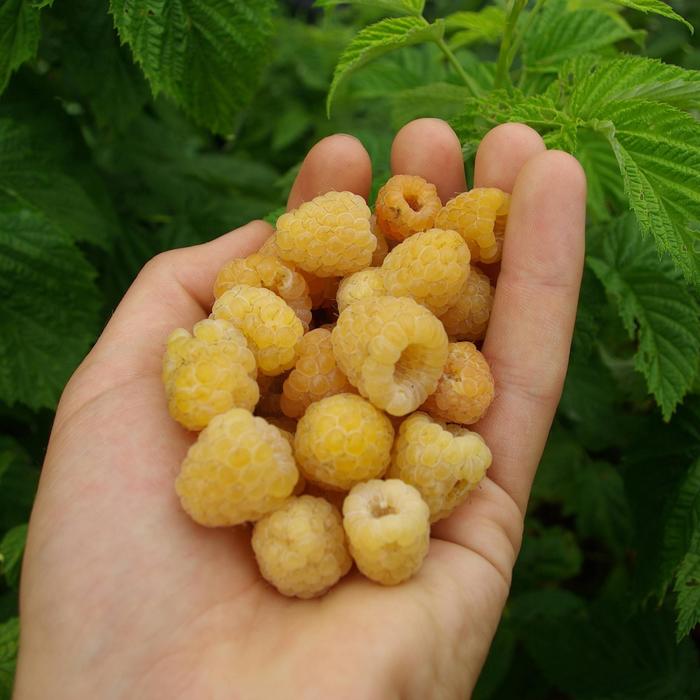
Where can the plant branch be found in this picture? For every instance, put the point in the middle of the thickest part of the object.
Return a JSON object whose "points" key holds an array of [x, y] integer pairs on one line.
{"points": [[466, 78], [503, 66]]}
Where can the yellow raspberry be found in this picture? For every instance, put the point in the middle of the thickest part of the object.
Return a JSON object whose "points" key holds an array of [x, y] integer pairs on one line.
{"points": [[208, 373], [466, 388], [315, 375], [321, 289], [480, 217], [342, 440], [431, 267], [382, 249], [388, 530], [392, 349], [271, 327], [405, 205], [360, 285], [329, 236], [468, 317], [240, 468], [301, 548], [261, 270], [443, 463]]}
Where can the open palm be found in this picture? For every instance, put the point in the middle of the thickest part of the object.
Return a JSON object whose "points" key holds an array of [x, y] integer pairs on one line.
{"points": [[124, 596]]}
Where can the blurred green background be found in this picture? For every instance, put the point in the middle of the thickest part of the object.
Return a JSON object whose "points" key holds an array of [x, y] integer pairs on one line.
{"points": [[97, 176]]}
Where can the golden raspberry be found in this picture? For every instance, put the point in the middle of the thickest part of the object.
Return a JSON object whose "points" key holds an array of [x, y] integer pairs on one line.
{"points": [[443, 463], [388, 530], [382, 249], [468, 317], [263, 270], [342, 440], [329, 236], [271, 327], [405, 205], [208, 373], [240, 468], [479, 216], [392, 349], [315, 375], [431, 267], [301, 548], [466, 387], [360, 285]]}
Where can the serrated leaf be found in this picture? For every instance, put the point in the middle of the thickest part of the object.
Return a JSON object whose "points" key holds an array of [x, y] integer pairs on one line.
{"points": [[597, 83], [11, 550], [19, 36], [205, 54], [487, 25], [656, 7], [656, 308], [9, 644], [50, 311], [378, 39], [399, 7], [558, 34], [687, 588], [658, 151]]}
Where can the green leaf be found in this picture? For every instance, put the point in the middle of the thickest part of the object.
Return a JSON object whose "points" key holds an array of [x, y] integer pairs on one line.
{"points": [[19, 36], [687, 587], [656, 7], [205, 54], [399, 7], [9, 644], [487, 26], [658, 151], [598, 83], [656, 308], [558, 34], [11, 550], [440, 100], [378, 39], [18, 482], [50, 311], [548, 554]]}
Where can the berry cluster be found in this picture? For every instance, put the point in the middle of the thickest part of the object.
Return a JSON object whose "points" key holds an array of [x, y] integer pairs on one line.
{"points": [[337, 372]]}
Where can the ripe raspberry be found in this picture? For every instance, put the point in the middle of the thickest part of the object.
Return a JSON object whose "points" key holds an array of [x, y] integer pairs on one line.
{"points": [[342, 440], [466, 387], [431, 267], [443, 464], [240, 468], [361, 285], [315, 375], [208, 373], [380, 252], [329, 236], [468, 317], [262, 270], [405, 205], [387, 526], [271, 327], [479, 216], [392, 349], [301, 548]]}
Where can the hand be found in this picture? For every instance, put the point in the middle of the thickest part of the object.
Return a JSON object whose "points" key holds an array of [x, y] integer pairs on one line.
{"points": [[123, 596]]}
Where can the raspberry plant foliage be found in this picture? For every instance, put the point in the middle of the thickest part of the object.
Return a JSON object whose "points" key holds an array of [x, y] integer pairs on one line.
{"points": [[97, 175]]}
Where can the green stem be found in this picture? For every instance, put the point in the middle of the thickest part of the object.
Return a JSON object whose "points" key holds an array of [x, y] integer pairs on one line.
{"points": [[524, 31], [466, 78], [503, 65]]}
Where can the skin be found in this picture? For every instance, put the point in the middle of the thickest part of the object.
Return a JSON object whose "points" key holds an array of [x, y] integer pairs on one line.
{"points": [[124, 597]]}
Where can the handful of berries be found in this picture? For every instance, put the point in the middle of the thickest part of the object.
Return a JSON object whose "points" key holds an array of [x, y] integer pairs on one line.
{"points": [[338, 370]]}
